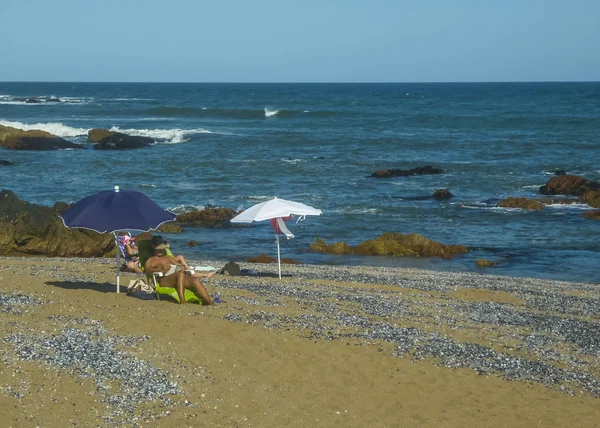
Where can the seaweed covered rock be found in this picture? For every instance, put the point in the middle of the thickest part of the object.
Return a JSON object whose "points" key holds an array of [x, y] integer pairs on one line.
{"points": [[170, 227], [208, 217], [523, 203], [29, 229], [486, 263], [120, 141], [588, 191], [97, 134], [591, 197], [592, 215], [393, 244], [18, 139], [568, 185]]}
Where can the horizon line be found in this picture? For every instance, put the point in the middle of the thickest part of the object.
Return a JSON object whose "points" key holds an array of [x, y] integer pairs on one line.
{"points": [[302, 83]]}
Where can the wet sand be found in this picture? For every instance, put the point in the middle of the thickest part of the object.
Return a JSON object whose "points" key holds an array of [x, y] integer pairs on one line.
{"points": [[325, 346]]}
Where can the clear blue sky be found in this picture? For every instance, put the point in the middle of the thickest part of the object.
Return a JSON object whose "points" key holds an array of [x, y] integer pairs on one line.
{"points": [[299, 41]]}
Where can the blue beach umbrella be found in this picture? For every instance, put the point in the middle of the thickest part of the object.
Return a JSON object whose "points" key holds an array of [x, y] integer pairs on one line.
{"points": [[112, 211]]}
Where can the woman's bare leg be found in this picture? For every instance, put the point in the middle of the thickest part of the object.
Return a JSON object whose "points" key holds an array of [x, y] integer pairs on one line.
{"points": [[192, 283], [176, 280]]}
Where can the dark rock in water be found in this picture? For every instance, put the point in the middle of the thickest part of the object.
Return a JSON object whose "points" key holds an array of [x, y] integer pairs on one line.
{"points": [[18, 139], [209, 217], [54, 100], [533, 204], [119, 141], [97, 134], [592, 215], [44, 143], [523, 203], [486, 263], [393, 244], [442, 194], [29, 229], [588, 191], [192, 243], [422, 170], [5, 162], [33, 101], [560, 172], [568, 185], [170, 227]]}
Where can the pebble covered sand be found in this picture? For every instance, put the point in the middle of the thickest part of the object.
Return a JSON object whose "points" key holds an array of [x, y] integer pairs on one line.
{"points": [[518, 331]]}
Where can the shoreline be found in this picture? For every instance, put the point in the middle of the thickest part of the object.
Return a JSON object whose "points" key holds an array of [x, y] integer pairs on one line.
{"points": [[325, 346]]}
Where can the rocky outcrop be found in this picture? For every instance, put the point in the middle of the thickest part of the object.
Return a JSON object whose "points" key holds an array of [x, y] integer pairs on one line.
{"points": [[170, 227], [486, 263], [209, 217], [592, 215], [522, 203], [393, 244], [591, 197], [588, 191], [533, 204], [568, 185], [120, 141], [5, 162], [442, 194], [97, 134], [18, 139], [29, 229], [422, 170]]}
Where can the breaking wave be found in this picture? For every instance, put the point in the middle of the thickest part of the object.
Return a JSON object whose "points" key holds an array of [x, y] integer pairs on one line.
{"points": [[55, 128]]}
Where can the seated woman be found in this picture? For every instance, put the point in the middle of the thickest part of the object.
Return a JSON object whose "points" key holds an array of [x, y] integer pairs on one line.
{"points": [[130, 252], [161, 262], [178, 260]]}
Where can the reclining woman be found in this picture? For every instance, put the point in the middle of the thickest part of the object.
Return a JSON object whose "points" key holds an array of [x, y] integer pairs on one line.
{"points": [[178, 260], [161, 262]]}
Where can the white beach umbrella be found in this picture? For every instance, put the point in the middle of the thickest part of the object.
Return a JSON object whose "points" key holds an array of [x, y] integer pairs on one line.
{"points": [[277, 209]]}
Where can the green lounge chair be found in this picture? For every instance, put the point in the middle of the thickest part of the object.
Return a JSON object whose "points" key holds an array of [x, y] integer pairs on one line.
{"points": [[145, 252]]}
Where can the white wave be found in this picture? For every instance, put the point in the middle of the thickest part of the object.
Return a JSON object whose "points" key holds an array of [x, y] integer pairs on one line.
{"points": [[350, 210], [584, 207], [306, 111], [290, 160], [180, 209], [55, 128], [19, 103], [170, 136], [502, 210], [148, 185], [270, 113], [532, 186]]}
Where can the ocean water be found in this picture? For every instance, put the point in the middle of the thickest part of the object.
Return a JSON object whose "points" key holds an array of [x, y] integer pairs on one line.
{"points": [[234, 145]]}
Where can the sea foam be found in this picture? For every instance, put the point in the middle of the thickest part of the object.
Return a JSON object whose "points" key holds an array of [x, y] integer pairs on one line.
{"points": [[55, 128], [270, 113], [169, 136]]}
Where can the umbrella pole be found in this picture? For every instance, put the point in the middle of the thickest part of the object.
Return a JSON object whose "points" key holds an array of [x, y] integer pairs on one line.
{"points": [[118, 260], [278, 254]]}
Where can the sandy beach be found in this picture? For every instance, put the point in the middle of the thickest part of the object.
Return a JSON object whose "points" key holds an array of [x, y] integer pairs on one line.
{"points": [[326, 346]]}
